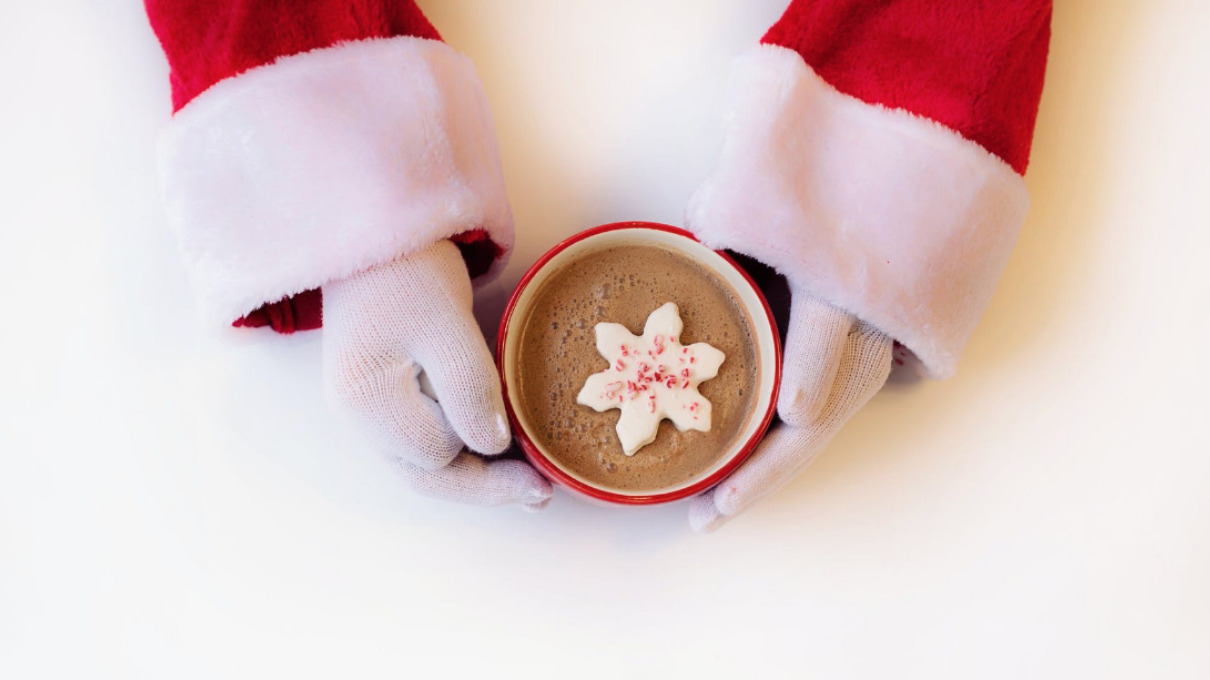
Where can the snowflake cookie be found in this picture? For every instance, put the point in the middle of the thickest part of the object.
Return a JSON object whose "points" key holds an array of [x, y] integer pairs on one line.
{"points": [[651, 377]]}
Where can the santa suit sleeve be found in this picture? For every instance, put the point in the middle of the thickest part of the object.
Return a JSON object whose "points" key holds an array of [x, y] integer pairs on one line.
{"points": [[874, 154], [312, 139]]}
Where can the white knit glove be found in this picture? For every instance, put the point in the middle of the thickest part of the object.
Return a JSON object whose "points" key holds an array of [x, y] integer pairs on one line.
{"points": [[385, 325], [833, 364]]}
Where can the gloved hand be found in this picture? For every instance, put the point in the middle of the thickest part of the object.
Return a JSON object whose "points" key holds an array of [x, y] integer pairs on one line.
{"points": [[833, 364], [382, 328], [879, 168]]}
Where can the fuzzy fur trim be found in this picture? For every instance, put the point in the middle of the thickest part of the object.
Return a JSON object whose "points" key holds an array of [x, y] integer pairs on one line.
{"points": [[891, 217], [325, 163]]}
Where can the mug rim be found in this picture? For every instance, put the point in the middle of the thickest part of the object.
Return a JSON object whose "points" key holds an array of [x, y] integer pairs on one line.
{"points": [[553, 472]]}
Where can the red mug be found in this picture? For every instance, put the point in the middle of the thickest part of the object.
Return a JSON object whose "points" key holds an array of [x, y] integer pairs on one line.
{"points": [[643, 233]]}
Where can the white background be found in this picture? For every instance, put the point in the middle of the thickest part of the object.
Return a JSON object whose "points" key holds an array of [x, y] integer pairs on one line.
{"points": [[175, 501]]}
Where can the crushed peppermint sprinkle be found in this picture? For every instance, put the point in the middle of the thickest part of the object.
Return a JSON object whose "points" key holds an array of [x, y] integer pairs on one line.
{"points": [[671, 392]]}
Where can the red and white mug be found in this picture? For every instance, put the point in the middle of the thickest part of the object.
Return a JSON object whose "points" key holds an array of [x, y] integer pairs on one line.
{"points": [[750, 298]]}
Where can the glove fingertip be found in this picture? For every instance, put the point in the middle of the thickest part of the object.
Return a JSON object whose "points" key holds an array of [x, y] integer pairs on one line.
{"points": [[502, 437], [704, 515], [537, 507], [530, 489], [798, 405], [480, 422]]}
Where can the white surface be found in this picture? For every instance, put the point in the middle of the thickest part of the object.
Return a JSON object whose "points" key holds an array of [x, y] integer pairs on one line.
{"points": [[175, 502]]}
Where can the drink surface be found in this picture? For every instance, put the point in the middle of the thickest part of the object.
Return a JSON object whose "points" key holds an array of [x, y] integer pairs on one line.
{"points": [[557, 353]]}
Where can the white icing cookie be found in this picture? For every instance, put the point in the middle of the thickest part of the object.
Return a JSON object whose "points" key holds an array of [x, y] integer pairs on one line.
{"points": [[651, 377]]}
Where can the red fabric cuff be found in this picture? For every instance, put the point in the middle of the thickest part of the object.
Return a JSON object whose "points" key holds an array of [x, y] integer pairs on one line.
{"points": [[302, 312]]}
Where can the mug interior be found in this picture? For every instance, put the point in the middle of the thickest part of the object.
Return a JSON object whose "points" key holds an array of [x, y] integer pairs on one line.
{"points": [[629, 234]]}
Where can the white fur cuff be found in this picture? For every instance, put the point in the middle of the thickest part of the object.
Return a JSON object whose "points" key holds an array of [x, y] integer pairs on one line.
{"points": [[325, 163], [894, 218]]}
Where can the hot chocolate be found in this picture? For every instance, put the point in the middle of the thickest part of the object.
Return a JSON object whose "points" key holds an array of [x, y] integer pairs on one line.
{"points": [[558, 353]]}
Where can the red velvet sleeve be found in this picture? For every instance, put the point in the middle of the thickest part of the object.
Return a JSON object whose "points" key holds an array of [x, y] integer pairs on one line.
{"points": [[206, 41], [874, 154], [209, 40], [975, 66]]}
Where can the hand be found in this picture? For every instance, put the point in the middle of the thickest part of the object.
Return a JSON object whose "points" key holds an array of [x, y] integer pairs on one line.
{"points": [[833, 364], [385, 325]]}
